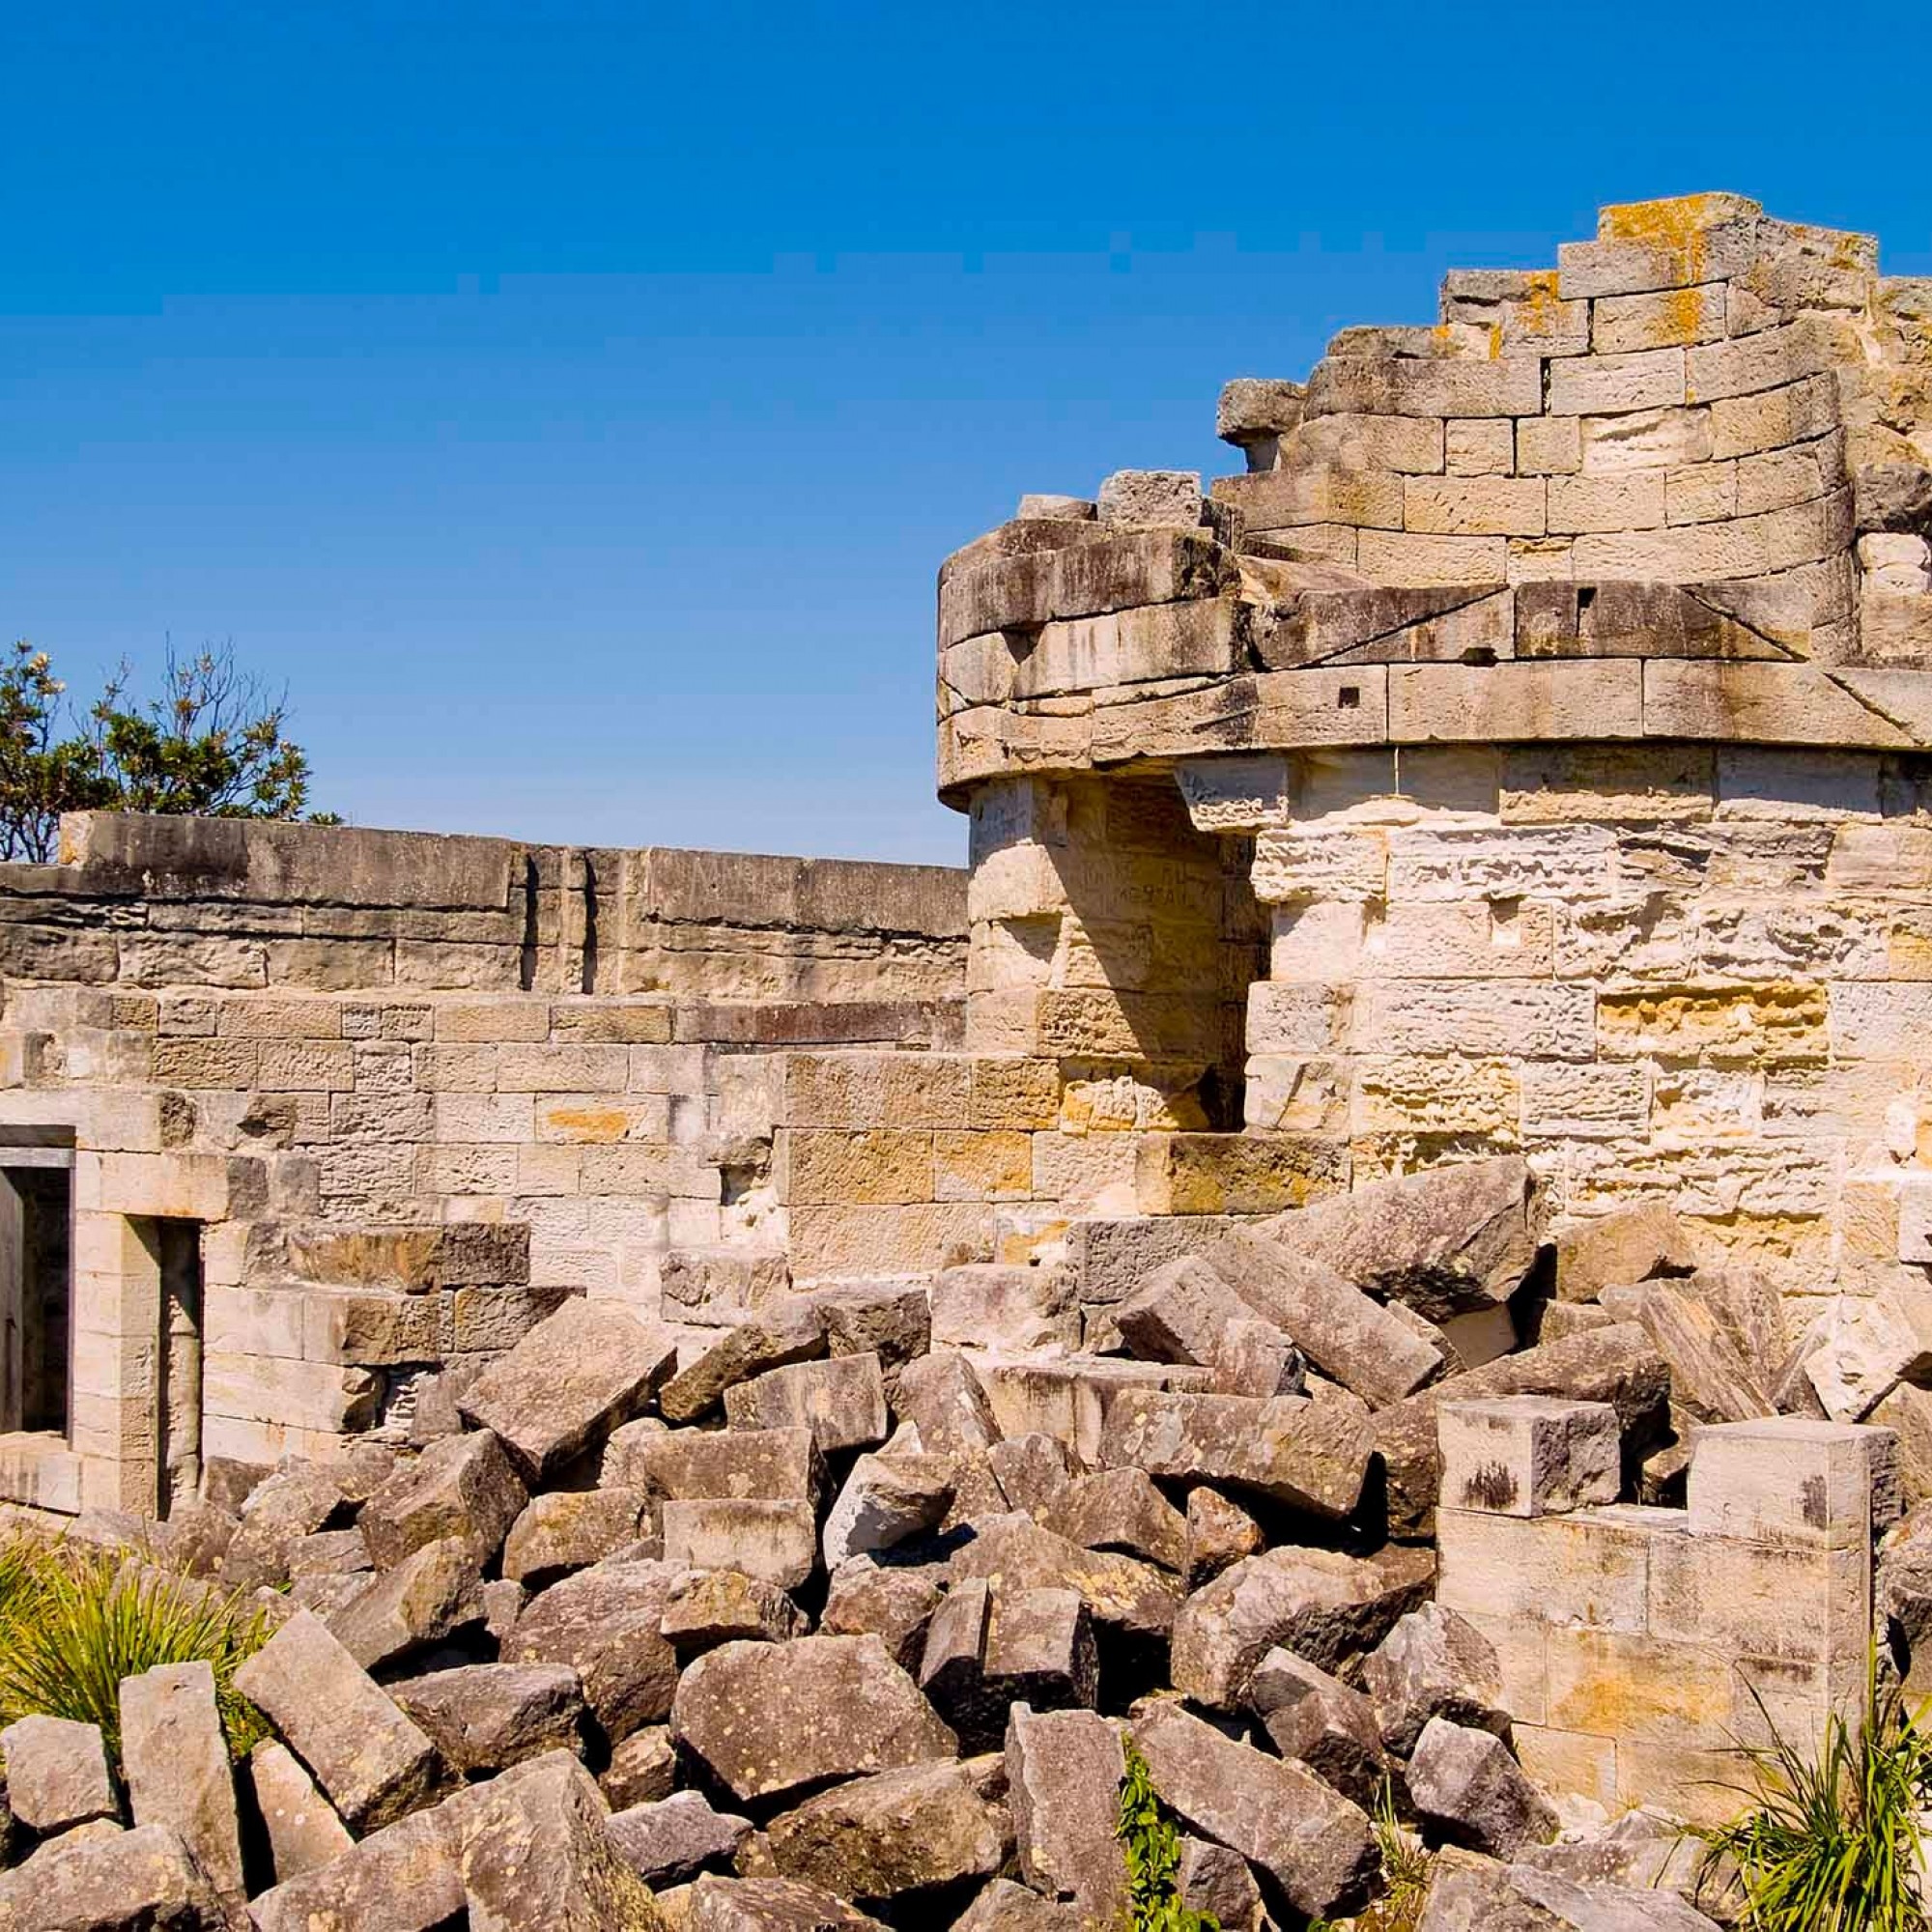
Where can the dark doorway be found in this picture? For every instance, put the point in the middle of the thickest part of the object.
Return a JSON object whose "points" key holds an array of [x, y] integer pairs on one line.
{"points": [[35, 1290]]}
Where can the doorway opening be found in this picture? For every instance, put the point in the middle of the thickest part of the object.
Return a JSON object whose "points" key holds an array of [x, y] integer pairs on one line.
{"points": [[36, 1288]]}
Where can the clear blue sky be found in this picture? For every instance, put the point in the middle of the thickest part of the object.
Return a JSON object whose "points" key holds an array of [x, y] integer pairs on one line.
{"points": [[571, 402]]}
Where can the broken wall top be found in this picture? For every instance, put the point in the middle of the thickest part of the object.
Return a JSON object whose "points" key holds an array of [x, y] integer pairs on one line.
{"points": [[1679, 485]]}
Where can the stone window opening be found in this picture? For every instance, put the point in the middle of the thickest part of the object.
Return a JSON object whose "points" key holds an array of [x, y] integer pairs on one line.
{"points": [[36, 1288], [173, 1252]]}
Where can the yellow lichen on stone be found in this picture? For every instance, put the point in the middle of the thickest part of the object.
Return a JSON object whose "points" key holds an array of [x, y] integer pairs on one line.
{"points": [[1779, 1019]]}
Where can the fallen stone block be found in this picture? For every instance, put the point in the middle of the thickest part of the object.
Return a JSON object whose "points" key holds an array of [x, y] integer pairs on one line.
{"points": [[671, 1842], [1350, 1338], [487, 1716], [56, 1773], [461, 1486], [175, 1761], [1031, 1471], [1907, 1411], [299, 1824], [429, 1595], [776, 1541], [1220, 1532], [1618, 1364], [1121, 1510], [604, 1623], [1002, 1906], [571, 1530], [1710, 1378], [371, 1760], [1323, 1604], [140, 1881], [898, 1832], [1013, 1553], [401, 1879], [706, 1608], [1634, 1244], [783, 1333], [943, 1398], [1444, 1241], [1860, 1353], [893, 1603], [1216, 1881], [887, 1501], [890, 1320], [289, 1504], [1434, 1665], [1789, 1480], [1466, 1786], [1309, 1455], [1473, 1894], [1321, 1722], [686, 1464], [535, 1854], [1528, 1454], [1064, 1772], [755, 1715], [1309, 1840], [770, 1905], [642, 1768], [568, 1383], [988, 1650], [989, 1305], [841, 1400]]}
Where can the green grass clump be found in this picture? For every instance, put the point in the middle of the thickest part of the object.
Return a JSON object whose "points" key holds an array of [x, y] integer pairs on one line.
{"points": [[1152, 1843], [74, 1621], [1830, 1843]]}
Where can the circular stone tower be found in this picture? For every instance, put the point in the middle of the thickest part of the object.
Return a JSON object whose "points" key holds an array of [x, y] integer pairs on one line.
{"points": [[1531, 752]]}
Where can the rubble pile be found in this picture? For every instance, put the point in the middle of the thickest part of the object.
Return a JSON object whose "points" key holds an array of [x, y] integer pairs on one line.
{"points": [[849, 1614]]}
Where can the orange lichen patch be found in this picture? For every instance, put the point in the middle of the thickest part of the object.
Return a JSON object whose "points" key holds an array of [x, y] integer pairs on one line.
{"points": [[593, 1125], [1542, 305], [1676, 227]]}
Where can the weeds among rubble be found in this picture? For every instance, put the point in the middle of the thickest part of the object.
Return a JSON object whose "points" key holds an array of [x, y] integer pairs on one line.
{"points": [[1152, 1845], [1831, 1844], [74, 1622]]}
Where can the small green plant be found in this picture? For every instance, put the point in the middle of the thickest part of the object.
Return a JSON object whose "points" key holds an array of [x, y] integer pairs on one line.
{"points": [[1152, 1842], [1830, 1843], [1405, 1862], [75, 1622]]}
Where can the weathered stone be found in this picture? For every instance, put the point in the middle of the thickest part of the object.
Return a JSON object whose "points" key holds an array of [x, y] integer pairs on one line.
{"points": [[427, 1597], [1219, 1532], [1907, 1411], [1002, 1906], [370, 1759], [1064, 1772], [985, 1305], [1528, 1454], [140, 1881], [642, 1768], [986, 1651], [486, 1716], [56, 1773], [1862, 1351], [1216, 1881], [175, 1761], [535, 1854], [707, 1607], [1319, 1722], [568, 1383], [1309, 1839], [777, 1542], [897, 1832], [1151, 499], [462, 1486], [1468, 1893], [602, 1623], [770, 1905], [1312, 1455], [943, 1398], [786, 1332], [893, 1603], [299, 1824], [1617, 1365], [1444, 1241], [1465, 1784], [886, 1499], [1013, 1553], [1632, 1244], [1349, 1338], [291, 1503], [682, 1465], [672, 1840], [841, 1400], [1121, 1510], [768, 1719], [1031, 1470], [1710, 1378], [1434, 1665], [1321, 1604], [571, 1530], [1895, 497], [889, 1320]]}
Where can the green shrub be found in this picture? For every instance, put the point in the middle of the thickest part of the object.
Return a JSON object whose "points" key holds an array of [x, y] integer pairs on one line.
{"points": [[1830, 1844], [74, 1622], [1152, 1843]]}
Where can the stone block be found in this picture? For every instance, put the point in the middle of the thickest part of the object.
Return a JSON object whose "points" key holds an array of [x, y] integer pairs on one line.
{"points": [[1788, 1480], [1465, 1784], [670, 1841], [300, 1824], [571, 1530], [174, 1760], [776, 1541], [1529, 1456], [1454, 703], [99, 1879], [484, 1718], [1064, 1772], [841, 1400], [604, 1624], [56, 1773], [462, 1486], [685, 1464]]}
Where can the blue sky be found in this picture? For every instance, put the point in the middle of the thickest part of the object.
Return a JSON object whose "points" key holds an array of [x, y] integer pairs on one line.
{"points": [[571, 402]]}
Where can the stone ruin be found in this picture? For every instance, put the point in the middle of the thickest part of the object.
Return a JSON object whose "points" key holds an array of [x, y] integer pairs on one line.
{"points": [[1374, 1240]]}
